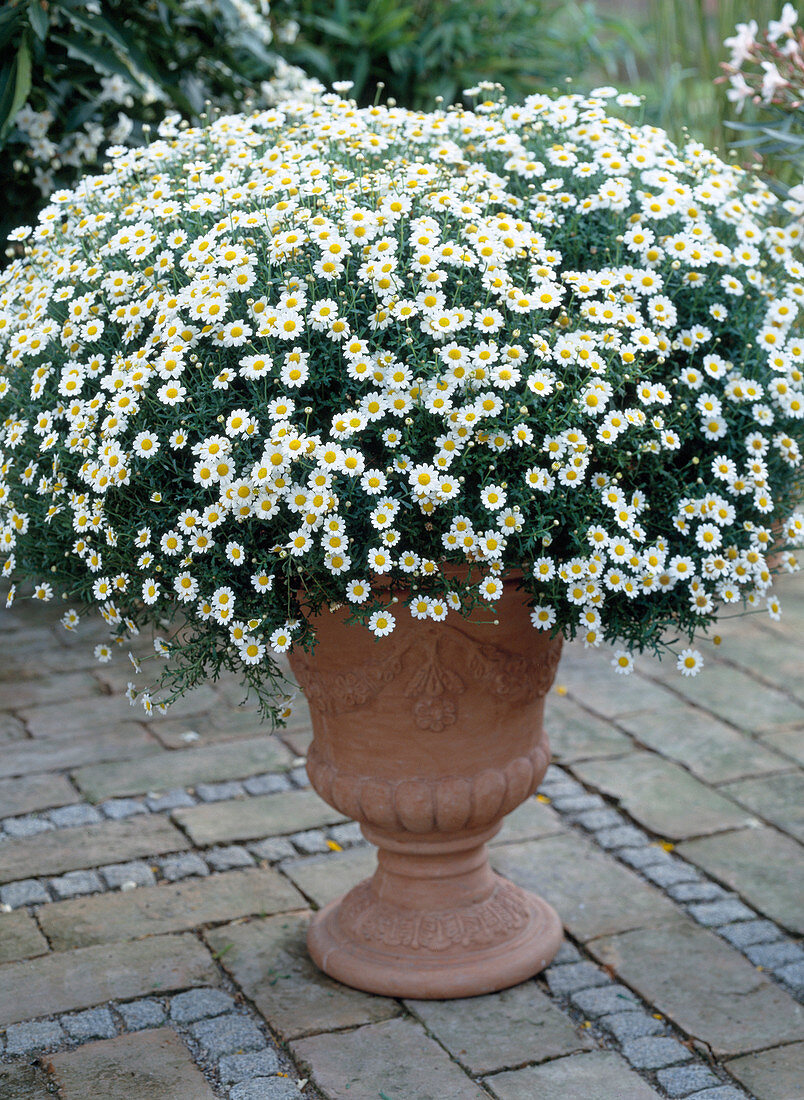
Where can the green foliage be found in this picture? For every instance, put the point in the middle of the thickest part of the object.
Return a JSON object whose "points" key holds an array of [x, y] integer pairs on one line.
{"points": [[79, 66], [420, 49]]}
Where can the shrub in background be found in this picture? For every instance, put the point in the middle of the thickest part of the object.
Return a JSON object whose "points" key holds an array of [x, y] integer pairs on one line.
{"points": [[76, 76]]}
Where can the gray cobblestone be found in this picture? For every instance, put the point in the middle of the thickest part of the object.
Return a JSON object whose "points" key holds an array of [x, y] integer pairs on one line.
{"points": [[753, 931], [267, 784], [682, 1080], [174, 799], [184, 866], [696, 891], [713, 913], [567, 953], [670, 874], [568, 979], [273, 848], [265, 1088], [28, 891], [226, 859], [653, 1052], [118, 808], [198, 1004], [118, 875], [26, 1038], [140, 1014], [75, 883], [219, 792], [237, 1067], [30, 825], [95, 1023], [299, 776], [622, 836], [773, 955], [631, 1025], [79, 814], [725, 1092], [597, 819], [793, 975], [228, 1035], [346, 834], [605, 1000], [310, 841], [640, 858]]}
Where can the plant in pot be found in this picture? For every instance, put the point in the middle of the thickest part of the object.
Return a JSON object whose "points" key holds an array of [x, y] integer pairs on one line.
{"points": [[411, 396]]}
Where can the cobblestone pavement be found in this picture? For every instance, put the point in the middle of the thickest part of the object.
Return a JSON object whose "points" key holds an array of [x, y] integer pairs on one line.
{"points": [[156, 878]]}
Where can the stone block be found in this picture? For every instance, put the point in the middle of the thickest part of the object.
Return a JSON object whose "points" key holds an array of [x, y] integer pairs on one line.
{"points": [[122, 876], [670, 874], [265, 1088], [227, 859], [237, 1067], [492, 1032], [775, 1074], [34, 792], [182, 768], [29, 1037], [606, 999], [20, 937], [268, 960], [749, 861], [30, 825], [630, 1025], [75, 883], [251, 818], [310, 842], [529, 821], [324, 878], [150, 1065], [714, 913], [682, 1080], [186, 865], [598, 1075], [174, 799], [266, 784], [792, 975], [564, 980], [175, 907], [778, 799], [593, 893], [653, 1052], [672, 969], [751, 931], [126, 741], [696, 890], [273, 849], [662, 796], [773, 955], [144, 1013], [78, 814], [119, 808], [219, 792], [199, 1004], [94, 1023], [228, 1034], [396, 1058], [73, 849], [64, 981], [27, 891]]}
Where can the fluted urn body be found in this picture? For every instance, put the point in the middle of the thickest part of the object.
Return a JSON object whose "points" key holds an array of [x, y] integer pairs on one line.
{"points": [[428, 738]]}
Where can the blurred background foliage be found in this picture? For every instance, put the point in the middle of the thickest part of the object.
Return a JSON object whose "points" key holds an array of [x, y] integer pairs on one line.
{"points": [[78, 75]]}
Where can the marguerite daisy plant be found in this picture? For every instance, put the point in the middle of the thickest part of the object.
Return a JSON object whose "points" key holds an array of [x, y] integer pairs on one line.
{"points": [[328, 356]]}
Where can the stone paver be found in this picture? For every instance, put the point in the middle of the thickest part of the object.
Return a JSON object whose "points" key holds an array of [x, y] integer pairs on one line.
{"points": [[90, 976], [176, 907], [19, 937], [126, 741], [324, 878], [264, 815], [153, 1065], [788, 742], [70, 849], [34, 792], [505, 1029], [268, 959], [24, 1083], [531, 820], [182, 768], [702, 985], [577, 735], [585, 886], [663, 796], [710, 749], [765, 867], [778, 799], [772, 1074], [395, 1058], [600, 1075]]}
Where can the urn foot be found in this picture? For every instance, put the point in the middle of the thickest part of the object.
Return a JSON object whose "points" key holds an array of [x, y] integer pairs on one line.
{"points": [[391, 937]]}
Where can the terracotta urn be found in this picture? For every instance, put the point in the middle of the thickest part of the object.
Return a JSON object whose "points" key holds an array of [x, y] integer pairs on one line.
{"points": [[428, 738]]}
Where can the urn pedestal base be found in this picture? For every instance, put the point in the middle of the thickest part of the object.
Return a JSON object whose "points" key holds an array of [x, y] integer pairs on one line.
{"points": [[434, 922]]}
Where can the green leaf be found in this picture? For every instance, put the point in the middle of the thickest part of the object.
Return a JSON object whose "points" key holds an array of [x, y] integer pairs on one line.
{"points": [[17, 89], [97, 58], [38, 18], [10, 25]]}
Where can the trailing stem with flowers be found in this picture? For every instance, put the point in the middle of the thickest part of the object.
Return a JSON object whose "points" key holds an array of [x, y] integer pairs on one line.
{"points": [[376, 358]]}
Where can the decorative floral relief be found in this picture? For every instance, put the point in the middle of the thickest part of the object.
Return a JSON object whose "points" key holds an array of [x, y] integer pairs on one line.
{"points": [[433, 683], [488, 923]]}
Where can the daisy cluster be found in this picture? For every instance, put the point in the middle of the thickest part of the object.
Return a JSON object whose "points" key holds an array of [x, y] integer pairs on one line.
{"points": [[376, 358]]}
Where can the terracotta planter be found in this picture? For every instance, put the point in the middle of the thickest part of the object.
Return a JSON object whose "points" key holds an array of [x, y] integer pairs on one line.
{"points": [[428, 738]]}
